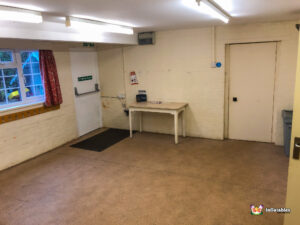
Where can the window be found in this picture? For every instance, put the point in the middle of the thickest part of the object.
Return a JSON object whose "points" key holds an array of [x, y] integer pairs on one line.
{"points": [[20, 79]]}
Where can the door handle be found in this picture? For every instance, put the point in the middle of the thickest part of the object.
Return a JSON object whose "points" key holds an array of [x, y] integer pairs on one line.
{"points": [[296, 148], [90, 92]]}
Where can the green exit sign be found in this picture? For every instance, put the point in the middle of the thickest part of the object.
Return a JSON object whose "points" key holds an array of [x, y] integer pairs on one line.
{"points": [[85, 44], [84, 78]]}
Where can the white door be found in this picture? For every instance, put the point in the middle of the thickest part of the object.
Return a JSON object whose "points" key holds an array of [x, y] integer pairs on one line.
{"points": [[251, 91], [85, 76]]}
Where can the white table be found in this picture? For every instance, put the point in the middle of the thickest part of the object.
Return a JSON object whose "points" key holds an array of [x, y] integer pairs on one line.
{"points": [[171, 107]]}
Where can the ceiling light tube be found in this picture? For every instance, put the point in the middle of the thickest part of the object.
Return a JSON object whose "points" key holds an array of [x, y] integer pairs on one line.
{"points": [[215, 11], [20, 15], [94, 25]]}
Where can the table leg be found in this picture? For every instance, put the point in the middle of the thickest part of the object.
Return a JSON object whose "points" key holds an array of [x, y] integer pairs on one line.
{"points": [[183, 123], [176, 127], [130, 123], [141, 122]]}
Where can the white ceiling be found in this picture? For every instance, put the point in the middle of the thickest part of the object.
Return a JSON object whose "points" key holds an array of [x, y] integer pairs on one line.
{"points": [[165, 14]]}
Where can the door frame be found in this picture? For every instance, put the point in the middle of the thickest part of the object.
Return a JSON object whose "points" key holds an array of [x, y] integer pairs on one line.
{"points": [[83, 49], [227, 84]]}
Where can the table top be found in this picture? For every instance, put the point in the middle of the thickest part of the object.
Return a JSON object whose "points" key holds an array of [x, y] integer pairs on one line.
{"points": [[164, 105]]}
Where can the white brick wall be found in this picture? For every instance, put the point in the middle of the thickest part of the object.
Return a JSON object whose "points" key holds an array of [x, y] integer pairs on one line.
{"points": [[177, 68], [24, 139]]}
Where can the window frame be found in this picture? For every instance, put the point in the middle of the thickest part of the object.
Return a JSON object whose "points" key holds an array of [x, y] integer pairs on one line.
{"points": [[17, 63]]}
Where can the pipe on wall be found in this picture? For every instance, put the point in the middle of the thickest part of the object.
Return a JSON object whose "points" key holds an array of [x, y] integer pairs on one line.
{"points": [[213, 47]]}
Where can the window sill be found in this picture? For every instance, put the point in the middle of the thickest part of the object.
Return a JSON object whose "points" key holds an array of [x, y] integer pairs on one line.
{"points": [[20, 108], [25, 112]]}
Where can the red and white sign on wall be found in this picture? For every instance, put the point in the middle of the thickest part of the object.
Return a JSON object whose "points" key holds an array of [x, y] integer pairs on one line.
{"points": [[133, 78]]}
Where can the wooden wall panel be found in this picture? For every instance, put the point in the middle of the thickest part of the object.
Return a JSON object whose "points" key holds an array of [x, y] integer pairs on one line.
{"points": [[26, 113]]}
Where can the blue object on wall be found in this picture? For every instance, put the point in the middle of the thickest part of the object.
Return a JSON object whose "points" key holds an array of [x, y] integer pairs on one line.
{"points": [[218, 64]]}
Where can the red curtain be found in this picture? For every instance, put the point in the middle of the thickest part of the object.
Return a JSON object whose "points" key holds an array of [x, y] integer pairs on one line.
{"points": [[50, 77]]}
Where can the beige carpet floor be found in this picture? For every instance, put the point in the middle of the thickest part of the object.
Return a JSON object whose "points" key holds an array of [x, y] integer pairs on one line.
{"points": [[147, 180]]}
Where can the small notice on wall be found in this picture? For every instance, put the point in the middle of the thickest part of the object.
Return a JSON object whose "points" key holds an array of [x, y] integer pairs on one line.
{"points": [[84, 78]]}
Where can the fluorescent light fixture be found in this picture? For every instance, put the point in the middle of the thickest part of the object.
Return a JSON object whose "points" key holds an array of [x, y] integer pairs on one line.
{"points": [[216, 12], [20, 15], [205, 6], [116, 22], [86, 25], [227, 5]]}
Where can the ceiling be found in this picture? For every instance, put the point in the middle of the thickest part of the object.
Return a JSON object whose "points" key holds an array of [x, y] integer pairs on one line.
{"points": [[146, 15]]}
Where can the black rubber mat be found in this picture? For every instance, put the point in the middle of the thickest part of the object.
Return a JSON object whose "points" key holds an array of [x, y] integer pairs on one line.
{"points": [[102, 141]]}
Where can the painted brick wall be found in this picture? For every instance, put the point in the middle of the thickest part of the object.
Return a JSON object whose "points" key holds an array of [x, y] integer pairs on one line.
{"points": [[30, 137], [178, 68]]}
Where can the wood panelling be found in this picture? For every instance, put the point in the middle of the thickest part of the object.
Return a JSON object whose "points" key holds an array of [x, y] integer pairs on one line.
{"points": [[26, 113]]}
